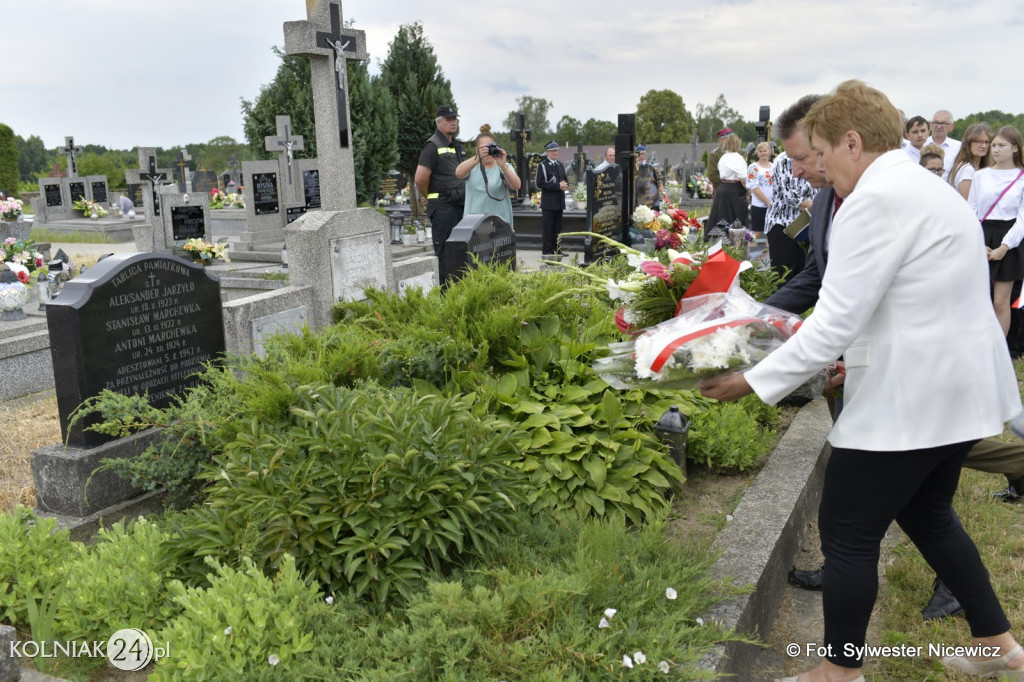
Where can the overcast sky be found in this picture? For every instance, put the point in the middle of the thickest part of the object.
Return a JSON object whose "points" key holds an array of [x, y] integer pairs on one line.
{"points": [[122, 73]]}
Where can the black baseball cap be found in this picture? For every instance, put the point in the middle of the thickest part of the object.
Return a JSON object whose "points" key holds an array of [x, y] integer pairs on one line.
{"points": [[447, 111]]}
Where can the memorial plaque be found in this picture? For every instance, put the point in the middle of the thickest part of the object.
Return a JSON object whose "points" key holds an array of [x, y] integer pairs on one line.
{"points": [[187, 222], [264, 193], [203, 181], [134, 192], [76, 190], [486, 236], [293, 213], [424, 281], [53, 197], [99, 192], [133, 323], [532, 163], [285, 322], [311, 188], [604, 211], [357, 263]]}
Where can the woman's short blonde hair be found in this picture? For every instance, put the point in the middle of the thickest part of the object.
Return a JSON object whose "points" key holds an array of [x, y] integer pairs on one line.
{"points": [[858, 107]]}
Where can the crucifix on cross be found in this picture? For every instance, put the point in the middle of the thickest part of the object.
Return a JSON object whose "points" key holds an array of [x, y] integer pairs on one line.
{"points": [[285, 143], [183, 159], [155, 177], [70, 150]]}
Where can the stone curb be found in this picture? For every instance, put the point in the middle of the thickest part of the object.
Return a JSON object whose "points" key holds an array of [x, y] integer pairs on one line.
{"points": [[767, 529]]}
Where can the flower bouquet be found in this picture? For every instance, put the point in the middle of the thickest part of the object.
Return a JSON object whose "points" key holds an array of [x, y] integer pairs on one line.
{"points": [[10, 209], [700, 186], [220, 200], [89, 208], [21, 253], [206, 252]]}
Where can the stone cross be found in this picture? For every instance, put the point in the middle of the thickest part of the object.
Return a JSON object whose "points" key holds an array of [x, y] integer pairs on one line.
{"points": [[147, 156], [155, 177], [183, 180], [69, 151], [328, 52], [234, 166], [284, 143]]}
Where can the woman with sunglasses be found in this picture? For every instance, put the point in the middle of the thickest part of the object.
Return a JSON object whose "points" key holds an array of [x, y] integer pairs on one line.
{"points": [[973, 155]]}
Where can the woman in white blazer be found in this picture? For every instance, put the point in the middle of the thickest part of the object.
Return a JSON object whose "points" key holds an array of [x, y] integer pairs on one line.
{"points": [[905, 301]]}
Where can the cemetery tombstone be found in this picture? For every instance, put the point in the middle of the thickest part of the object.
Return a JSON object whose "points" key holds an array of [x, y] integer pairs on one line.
{"points": [[77, 189], [264, 208], [532, 163], [203, 181], [133, 323], [520, 136], [71, 152], [604, 211], [98, 189], [147, 177], [181, 217], [646, 185], [52, 200], [486, 236], [133, 191], [390, 185], [310, 184], [625, 156], [183, 176], [286, 144]]}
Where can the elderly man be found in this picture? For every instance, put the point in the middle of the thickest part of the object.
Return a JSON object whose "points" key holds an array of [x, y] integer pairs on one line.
{"points": [[436, 181], [942, 126], [609, 159], [905, 429], [792, 196], [552, 182]]}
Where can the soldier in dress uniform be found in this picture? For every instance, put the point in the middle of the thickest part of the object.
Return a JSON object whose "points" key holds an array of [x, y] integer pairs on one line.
{"points": [[712, 170]]}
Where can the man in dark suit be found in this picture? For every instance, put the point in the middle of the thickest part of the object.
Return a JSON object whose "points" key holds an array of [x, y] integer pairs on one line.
{"points": [[551, 180], [801, 293]]}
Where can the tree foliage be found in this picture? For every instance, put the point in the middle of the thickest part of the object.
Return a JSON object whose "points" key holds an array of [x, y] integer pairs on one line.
{"points": [[289, 93], [374, 129], [535, 113], [569, 131], [417, 85], [599, 132], [33, 157], [661, 116], [8, 161], [712, 118], [995, 119]]}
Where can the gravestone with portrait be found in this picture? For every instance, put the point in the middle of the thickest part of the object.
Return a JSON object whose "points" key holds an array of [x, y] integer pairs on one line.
{"points": [[604, 211], [135, 324], [479, 237]]}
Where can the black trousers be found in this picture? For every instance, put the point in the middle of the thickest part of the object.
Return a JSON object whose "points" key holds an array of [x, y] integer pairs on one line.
{"points": [[864, 492], [784, 252], [443, 217], [551, 227]]}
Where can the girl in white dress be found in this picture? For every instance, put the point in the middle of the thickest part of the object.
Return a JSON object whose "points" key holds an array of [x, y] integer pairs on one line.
{"points": [[759, 183], [997, 197]]}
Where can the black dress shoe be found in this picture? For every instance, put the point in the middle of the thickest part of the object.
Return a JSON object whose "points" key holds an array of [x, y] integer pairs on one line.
{"points": [[808, 580], [942, 604], [1013, 493]]}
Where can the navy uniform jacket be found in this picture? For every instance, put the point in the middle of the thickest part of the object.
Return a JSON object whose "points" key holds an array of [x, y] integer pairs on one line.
{"points": [[549, 174]]}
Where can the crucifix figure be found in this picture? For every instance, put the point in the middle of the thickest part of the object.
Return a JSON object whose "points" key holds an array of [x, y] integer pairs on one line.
{"points": [[285, 143], [155, 177], [329, 46], [521, 136], [70, 150]]}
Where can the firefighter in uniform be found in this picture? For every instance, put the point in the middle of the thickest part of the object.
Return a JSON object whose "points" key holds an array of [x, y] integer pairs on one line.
{"points": [[435, 179], [551, 180]]}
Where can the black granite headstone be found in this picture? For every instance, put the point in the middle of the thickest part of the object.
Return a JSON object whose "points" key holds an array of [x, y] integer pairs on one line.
{"points": [[264, 193], [53, 197], [76, 190], [134, 192], [99, 192], [293, 213], [203, 181], [646, 185], [486, 236], [604, 211], [532, 162], [187, 222], [133, 323], [311, 188]]}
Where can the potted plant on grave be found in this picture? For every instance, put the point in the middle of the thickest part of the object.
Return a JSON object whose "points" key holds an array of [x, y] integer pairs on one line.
{"points": [[580, 196], [89, 208], [409, 234], [21, 253], [10, 209]]}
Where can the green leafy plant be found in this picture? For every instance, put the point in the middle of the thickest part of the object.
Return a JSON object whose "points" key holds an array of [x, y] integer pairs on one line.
{"points": [[34, 554], [728, 438], [366, 487], [243, 626]]}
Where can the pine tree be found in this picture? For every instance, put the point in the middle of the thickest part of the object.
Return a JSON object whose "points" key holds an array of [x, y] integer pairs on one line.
{"points": [[8, 161]]}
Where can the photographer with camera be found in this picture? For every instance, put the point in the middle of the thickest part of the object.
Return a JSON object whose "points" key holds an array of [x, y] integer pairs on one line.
{"points": [[488, 189], [552, 181]]}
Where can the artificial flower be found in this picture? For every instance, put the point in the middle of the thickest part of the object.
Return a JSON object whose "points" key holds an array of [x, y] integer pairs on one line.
{"points": [[670, 593], [639, 658], [272, 659]]}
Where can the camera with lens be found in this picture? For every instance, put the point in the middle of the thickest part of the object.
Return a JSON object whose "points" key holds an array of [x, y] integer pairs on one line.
{"points": [[493, 149]]}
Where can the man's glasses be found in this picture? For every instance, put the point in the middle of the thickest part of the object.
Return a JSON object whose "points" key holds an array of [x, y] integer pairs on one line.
{"points": [[942, 123]]}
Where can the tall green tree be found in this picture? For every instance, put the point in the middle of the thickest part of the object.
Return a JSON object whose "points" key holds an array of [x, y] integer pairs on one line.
{"points": [[712, 118], [995, 119], [569, 131], [661, 116], [535, 112], [418, 87], [8, 161], [374, 129], [599, 132], [32, 157]]}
